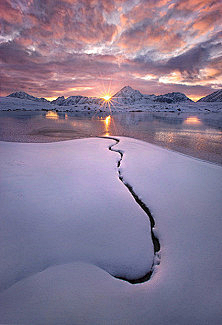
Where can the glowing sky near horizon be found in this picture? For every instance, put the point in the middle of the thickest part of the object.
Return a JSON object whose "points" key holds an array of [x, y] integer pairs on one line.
{"points": [[50, 48]]}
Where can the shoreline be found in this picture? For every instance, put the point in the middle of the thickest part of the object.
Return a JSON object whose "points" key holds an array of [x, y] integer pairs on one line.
{"points": [[202, 141]]}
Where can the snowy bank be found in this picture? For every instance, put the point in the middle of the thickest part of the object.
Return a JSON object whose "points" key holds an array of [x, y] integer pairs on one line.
{"points": [[68, 223]]}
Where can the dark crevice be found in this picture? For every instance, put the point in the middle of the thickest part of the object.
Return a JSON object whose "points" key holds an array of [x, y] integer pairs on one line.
{"points": [[156, 243]]}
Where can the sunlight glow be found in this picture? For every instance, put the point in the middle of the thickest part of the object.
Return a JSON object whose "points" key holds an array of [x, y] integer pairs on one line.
{"points": [[194, 98], [51, 98]]}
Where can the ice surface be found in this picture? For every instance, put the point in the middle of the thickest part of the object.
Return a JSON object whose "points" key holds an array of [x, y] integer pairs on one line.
{"points": [[45, 217]]}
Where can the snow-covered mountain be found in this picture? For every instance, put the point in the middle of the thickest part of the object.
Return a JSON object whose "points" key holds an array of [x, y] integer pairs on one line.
{"points": [[59, 101], [128, 95], [72, 100], [23, 95], [214, 97], [174, 97]]}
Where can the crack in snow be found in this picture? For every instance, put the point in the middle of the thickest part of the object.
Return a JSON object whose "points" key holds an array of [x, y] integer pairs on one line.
{"points": [[155, 240], [156, 243]]}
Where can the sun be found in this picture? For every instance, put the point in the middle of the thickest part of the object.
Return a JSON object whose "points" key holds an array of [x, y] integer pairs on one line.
{"points": [[106, 97]]}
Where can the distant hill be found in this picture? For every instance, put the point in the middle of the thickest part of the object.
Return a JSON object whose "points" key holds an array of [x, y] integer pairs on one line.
{"points": [[72, 100], [214, 97], [23, 95], [174, 97]]}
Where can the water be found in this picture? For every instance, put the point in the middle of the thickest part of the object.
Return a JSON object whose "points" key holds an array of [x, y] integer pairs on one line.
{"points": [[196, 135]]}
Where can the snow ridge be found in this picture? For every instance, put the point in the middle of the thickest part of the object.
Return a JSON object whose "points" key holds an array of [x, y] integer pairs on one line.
{"points": [[156, 243], [174, 97], [23, 95], [214, 97]]}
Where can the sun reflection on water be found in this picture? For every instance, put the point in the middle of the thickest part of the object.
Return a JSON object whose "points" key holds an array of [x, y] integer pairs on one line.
{"points": [[52, 115], [193, 120], [106, 121]]}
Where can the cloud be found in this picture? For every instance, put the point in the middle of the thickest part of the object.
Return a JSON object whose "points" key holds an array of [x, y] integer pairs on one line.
{"points": [[60, 22], [198, 57], [191, 61], [208, 21], [55, 46], [151, 35]]}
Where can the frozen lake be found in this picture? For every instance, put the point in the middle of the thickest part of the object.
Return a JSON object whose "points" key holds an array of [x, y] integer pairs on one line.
{"points": [[198, 135]]}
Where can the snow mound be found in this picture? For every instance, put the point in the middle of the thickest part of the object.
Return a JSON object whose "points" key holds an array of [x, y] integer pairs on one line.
{"points": [[68, 206]]}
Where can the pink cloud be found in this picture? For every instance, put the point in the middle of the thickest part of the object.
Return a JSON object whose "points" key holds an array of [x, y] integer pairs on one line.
{"points": [[46, 45]]}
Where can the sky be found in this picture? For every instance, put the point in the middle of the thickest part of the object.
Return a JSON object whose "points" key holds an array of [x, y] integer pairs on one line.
{"points": [[50, 48]]}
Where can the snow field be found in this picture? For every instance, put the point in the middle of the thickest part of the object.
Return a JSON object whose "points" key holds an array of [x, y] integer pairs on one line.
{"points": [[53, 266]]}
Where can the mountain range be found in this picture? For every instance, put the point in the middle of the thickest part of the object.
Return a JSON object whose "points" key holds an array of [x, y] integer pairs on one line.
{"points": [[126, 96]]}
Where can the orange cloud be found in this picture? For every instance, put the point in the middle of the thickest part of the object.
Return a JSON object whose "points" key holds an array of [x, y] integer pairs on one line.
{"points": [[208, 21]]}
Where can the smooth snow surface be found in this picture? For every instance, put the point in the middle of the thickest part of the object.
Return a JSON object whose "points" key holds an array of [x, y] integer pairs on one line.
{"points": [[62, 203], [67, 220]]}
